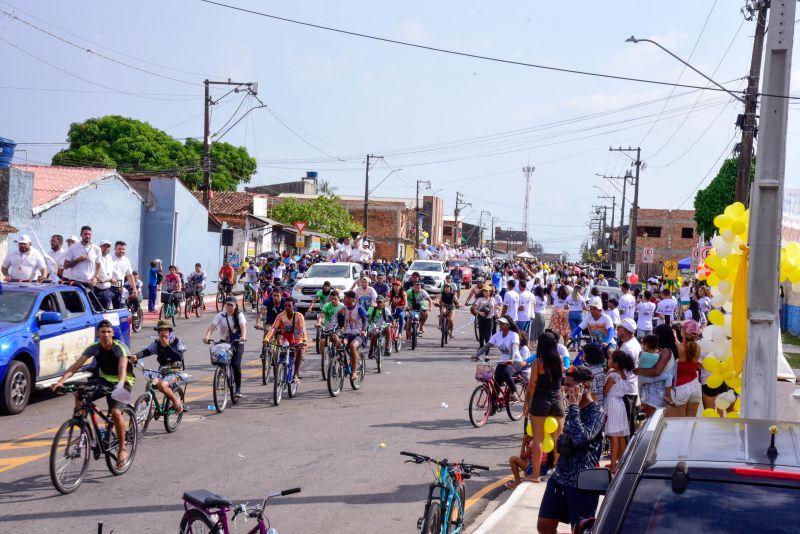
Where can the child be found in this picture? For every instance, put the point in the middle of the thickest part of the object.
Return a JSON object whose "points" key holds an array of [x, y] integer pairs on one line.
{"points": [[612, 311], [652, 388], [616, 387], [595, 360], [520, 463], [527, 357]]}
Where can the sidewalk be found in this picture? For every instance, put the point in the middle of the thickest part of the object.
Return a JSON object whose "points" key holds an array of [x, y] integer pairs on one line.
{"points": [[518, 514]]}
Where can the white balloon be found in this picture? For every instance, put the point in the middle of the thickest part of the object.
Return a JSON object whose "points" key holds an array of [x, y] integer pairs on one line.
{"points": [[718, 300], [722, 403], [711, 332], [728, 306], [717, 241], [724, 250], [727, 328], [725, 287], [728, 236]]}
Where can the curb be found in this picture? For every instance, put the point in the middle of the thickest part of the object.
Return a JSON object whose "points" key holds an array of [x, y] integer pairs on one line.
{"points": [[513, 509]]}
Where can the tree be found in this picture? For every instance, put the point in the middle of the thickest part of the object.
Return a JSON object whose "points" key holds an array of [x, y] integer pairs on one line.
{"points": [[324, 214], [721, 192], [129, 145]]}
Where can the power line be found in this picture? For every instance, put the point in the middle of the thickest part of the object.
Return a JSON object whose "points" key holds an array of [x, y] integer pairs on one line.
{"points": [[301, 138], [466, 54], [185, 96], [714, 166]]}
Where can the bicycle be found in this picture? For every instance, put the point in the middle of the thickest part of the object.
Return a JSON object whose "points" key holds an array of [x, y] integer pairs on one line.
{"points": [[397, 338], [380, 346], [444, 323], [444, 507], [135, 310], [224, 290], [147, 406], [82, 433], [340, 366], [485, 402], [221, 354], [283, 372], [413, 327], [268, 351], [249, 297], [194, 302], [328, 354], [169, 310], [201, 507]]}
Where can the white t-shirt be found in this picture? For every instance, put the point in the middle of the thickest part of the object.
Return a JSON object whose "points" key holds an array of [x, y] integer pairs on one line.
{"points": [[278, 271], [366, 298], [539, 305], [505, 345], [106, 272], [575, 304], [685, 293], [645, 321], [84, 271], [251, 274], [26, 266], [57, 257], [627, 304], [222, 319], [525, 302], [122, 267], [424, 254], [633, 348], [511, 299], [356, 254], [666, 308], [613, 315], [557, 302], [705, 304], [598, 328]]}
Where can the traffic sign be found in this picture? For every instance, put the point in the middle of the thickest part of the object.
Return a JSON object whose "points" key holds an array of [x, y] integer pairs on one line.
{"points": [[300, 241], [300, 225], [670, 270], [647, 254], [704, 252]]}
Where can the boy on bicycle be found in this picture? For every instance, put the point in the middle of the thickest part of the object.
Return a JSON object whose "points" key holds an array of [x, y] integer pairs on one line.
{"points": [[169, 351], [327, 319], [352, 318], [290, 326], [448, 302], [380, 322]]}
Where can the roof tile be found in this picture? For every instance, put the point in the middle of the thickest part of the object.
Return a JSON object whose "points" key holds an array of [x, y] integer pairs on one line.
{"points": [[228, 202], [50, 182]]}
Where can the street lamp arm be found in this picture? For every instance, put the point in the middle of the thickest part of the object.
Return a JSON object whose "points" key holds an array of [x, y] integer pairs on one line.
{"points": [[634, 40]]}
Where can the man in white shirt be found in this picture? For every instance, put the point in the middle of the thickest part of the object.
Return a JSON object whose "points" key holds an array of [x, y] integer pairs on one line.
{"points": [[423, 253], [55, 258], [525, 314], [105, 274], [627, 303], [646, 310], [511, 301], [330, 252], [122, 271], [83, 259], [666, 307], [24, 262], [357, 253], [630, 345], [344, 250]]}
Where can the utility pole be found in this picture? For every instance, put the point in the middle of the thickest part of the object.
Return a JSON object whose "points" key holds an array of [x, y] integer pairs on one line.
{"points": [[416, 210], [493, 219], [761, 365], [480, 223], [528, 171], [635, 209], [366, 191], [611, 234], [252, 88], [621, 241], [748, 122], [459, 204]]}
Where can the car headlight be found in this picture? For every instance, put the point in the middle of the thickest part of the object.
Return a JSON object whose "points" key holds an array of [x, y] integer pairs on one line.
{"points": [[340, 287]]}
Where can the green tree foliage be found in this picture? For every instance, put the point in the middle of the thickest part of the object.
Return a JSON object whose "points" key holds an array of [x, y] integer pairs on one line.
{"points": [[712, 200], [129, 145], [324, 214]]}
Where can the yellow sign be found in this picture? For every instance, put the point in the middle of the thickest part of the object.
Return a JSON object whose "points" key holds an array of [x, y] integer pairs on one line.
{"points": [[57, 353], [300, 241], [670, 270]]}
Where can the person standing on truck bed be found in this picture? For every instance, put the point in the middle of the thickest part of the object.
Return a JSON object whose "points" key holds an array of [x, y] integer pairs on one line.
{"points": [[82, 263], [122, 272], [24, 263], [56, 256], [102, 288]]}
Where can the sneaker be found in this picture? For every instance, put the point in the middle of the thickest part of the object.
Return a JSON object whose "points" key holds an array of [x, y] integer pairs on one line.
{"points": [[371, 356], [237, 394], [387, 353]]}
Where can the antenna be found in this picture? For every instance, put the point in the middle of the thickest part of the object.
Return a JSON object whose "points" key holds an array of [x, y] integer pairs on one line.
{"points": [[528, 171]]}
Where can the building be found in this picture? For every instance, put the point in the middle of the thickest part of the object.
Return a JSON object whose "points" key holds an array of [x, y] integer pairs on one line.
{"points": [[233, 208], [509, 241], [305, 186], [5, 230], [431, 219], [472, 234], [671, 234], [452, 231]]}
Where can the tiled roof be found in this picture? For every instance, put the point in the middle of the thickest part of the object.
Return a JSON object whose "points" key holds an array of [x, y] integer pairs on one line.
{"points": [[228, 202], [49, 183], [6, 228]]}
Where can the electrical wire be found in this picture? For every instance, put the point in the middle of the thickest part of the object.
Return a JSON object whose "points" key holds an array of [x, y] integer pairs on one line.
{"points": [[301, 138], [714, 166], [185, 96]]}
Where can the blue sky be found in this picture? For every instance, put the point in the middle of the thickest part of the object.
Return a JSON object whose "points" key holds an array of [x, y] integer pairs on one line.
{"points": [[346, 96]]}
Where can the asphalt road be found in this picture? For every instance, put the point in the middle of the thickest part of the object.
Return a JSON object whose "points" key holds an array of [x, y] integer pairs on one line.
{"points": [[343, 452]]}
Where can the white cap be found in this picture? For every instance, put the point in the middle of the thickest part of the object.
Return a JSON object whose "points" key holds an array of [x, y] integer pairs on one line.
{"points": [[596, 302], [73, 238], [629, 325], [24, 239], [105, 242]]}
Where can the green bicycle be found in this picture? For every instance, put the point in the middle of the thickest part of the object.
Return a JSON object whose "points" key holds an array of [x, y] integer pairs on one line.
{"points": [[249, 298], [169, 309], [147, 406]]}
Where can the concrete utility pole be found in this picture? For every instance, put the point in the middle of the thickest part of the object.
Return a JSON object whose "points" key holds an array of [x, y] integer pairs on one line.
{"points": [[750, 106], [635, 209], [761, 364], [459, 204], [416, 210], [621, 241], [611, 234], [493, 219], [252, 88], [480, 227], [366, 192], [528, 171]]}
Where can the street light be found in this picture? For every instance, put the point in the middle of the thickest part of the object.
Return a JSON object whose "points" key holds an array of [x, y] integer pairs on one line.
{"points": [[634, 40]]}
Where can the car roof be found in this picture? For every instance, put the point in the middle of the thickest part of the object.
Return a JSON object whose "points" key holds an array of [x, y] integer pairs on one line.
{"points": [[349, 263], [30, 287]]}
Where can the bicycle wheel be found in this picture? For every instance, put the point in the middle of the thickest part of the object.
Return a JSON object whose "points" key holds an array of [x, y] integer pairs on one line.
{"points": [[173, 311], [325, 359], [516, 402], [231, 385], [414, 328], [197, 522], [432, 523], [316, 340], [219, 300], [245, 300], [137, 318], [379, 344], [266, 363], [131, 441], [443, 325], [69, 456], [457, 508], [398, 342], [143, 408], [198, 306], [162, 312], [187, 307], [220, 389], [479, 405], [278, 383], [335, 376], [357, 376], [475, 327], [172, 420]]}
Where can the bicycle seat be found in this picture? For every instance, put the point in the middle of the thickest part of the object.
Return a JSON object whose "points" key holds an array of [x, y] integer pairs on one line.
{"points": [[206, 499]]}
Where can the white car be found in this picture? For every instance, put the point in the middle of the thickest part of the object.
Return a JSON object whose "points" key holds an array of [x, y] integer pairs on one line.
{"points": [[431, 272], [340, 275]]}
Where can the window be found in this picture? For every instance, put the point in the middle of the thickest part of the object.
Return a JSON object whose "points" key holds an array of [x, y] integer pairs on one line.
{"points": [[687, 233], [447, 230], [648, 231], [49, 304], [72, 303]]}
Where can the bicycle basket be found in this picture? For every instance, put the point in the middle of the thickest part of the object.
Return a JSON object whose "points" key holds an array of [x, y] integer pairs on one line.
{"points": [[484, 372], [221, 354]]}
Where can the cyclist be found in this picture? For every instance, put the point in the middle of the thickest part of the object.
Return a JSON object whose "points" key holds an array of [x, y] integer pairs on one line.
{"points": [[380, 286], [169, 352], [322, 295], [273, 305], [457, 276], [365, 294], [110, 363], [233, 329], [326, 319], [352, 318], [601, 329], [397, 301], [380, 322], [172, 287], [251, 275], [448, 302], [507, 341], [291, 275], [476, 291], [196, 281], [411, 281], [290, 327], [418, 300], [226, 277]]}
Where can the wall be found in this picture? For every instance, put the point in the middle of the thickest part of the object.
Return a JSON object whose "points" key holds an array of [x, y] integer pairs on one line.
{"points": [[670, 246], [432, 211]]}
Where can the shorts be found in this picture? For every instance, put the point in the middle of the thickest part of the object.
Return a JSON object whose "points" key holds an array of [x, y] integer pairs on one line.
{"points": [[713, 392], [641, 333], [544, 407], [686, 393], [105, 391], [349, 338], [567, 503], [652, 394]]}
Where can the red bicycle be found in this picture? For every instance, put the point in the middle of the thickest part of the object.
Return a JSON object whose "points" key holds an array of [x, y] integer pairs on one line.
{"points": [[397, 337], [485, 400], [195, 302]]}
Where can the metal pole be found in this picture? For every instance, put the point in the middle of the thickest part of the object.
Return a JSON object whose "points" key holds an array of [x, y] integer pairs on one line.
{"points": [[416, 224], [761, 364], [206, 162], [635, 214], [366, 196]]}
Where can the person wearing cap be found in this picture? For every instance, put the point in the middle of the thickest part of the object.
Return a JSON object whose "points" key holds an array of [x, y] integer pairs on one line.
{"points": [[420, 301], [579, 447], [600, 326], [82, 262], [169, 350], [24, 262], [102, 289], [397, 303], [448, 302], [232, 329], [290, 326], [380, 321]]}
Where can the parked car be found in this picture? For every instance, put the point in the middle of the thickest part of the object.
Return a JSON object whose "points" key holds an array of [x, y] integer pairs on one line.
{"points": [[466, 271], [342, 276], [432, 273], [700, 475], [44, 329], [480, 268]]}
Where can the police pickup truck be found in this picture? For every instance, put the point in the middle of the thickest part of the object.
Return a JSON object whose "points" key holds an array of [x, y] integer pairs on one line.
{"points": [[44, 328]]}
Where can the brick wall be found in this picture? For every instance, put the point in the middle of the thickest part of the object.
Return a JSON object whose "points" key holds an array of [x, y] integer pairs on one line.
{"points": [[670, 245], [387, 228]]}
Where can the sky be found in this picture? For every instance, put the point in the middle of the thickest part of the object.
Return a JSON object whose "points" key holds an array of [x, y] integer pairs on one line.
{"points": [[464, 124]]}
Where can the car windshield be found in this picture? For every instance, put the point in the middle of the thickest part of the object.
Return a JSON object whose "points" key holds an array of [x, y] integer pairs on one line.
{"points": [[328, 271], [457, 263], [430, 266], [15, 305], [711, 507], [476, 263]]}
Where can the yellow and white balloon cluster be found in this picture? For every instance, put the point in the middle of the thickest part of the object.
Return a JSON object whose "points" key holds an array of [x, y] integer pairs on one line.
{"points": [[550, 426]]}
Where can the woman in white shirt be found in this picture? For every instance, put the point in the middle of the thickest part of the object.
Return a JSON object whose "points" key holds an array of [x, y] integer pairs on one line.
{"points": [[507, 341], [646, 309], [539, 306], [575, 304]]}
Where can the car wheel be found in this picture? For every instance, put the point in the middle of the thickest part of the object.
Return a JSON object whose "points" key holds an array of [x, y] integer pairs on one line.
{"points": [[16, 389]]}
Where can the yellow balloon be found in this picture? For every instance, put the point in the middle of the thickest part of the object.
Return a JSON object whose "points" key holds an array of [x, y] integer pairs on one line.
{"points": [[714, 380], [722, 221], [738, 227], [734, 382], [710, 412], [737, 406], [716, 317], [599, 251], [723, 272], [528, 429], [732, 415], [550, 425], [733, 261], [711, 364], [713, 261], [737, 209], [713, 280], [548, 444]]}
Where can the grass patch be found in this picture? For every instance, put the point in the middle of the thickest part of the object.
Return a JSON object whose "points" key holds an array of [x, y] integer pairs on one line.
{"points": [[792, 357]]}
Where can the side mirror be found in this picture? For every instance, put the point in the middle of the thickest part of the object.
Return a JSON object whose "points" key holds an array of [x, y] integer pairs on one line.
{"points": [[595, 481], [50, 318]]}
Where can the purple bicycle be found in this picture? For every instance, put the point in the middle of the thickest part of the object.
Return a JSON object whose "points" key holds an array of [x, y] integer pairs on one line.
{"points": [[202, 508]]}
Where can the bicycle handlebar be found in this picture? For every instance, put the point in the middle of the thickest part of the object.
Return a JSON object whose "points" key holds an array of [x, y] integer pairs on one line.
{"points": [[284, 493], [419, 458]]}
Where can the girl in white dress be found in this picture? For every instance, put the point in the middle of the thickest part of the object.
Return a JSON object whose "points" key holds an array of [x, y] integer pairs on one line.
{"points": [[617, 385]]}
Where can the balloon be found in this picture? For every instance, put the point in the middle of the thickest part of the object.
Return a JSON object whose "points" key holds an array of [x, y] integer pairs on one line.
{"points": [[713, 280], [724, 287], [735, 383], [528, 429], [711, 364], [723, 272], [738, 227], [728, 236], [548, 444], [733, 261], [714, 381], [599, 251], [713, 261], [724, 249], [634, 278], [794, 276], [715, 317], [721, 403], [737, 209], [732, 415], [737, 406], [722, 221], [550, 425], [710, 412], [718, 300]]}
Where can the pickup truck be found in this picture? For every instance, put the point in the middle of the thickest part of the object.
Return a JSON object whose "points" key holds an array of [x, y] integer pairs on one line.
{"points": [[44, 328]]}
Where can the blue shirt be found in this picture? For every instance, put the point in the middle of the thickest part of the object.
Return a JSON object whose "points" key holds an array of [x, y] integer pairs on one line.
{"points": [[497, 276], [152, 277]]}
